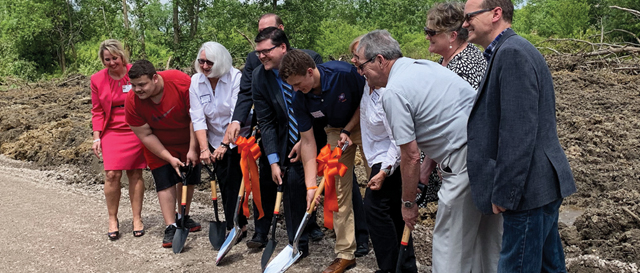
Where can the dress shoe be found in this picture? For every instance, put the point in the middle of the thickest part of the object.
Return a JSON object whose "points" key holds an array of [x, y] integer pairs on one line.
{"points": [[340, 265], [362, 250], [316, 235], [257, 241]]}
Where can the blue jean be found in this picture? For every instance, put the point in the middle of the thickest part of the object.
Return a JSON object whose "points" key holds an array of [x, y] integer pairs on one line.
{"points": [[531, 242]]}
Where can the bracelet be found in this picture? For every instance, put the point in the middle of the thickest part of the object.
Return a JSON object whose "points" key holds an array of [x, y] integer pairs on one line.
{"points": [[312, 188], [343, 131], [204, 150], [226, 145], [96, 140]]}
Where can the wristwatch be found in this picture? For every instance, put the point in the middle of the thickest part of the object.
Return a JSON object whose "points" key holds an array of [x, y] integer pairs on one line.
{"points": [[387, 170], [407, 204], [343, 131]]}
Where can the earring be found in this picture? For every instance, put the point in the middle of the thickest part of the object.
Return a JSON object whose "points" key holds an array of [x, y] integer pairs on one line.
{"points": [[450, 47]]}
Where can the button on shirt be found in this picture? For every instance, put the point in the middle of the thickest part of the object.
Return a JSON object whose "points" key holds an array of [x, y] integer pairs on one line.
{"points": [[341, 93], [212, 110], [426, 102], [377, 140]]}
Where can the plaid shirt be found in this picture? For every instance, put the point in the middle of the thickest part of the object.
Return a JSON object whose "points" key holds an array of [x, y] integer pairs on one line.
{"points": [[489, 50]]}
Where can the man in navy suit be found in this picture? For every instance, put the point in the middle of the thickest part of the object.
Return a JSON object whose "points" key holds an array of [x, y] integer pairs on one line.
{"points": [[515, 162]]}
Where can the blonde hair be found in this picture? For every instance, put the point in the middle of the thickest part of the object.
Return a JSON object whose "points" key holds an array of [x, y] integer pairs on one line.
{"points": [[115, 48], [220, 57], [354, 44]]}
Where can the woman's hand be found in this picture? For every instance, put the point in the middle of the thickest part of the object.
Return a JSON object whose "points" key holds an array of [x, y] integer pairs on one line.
{"points": [[97, 147], [205, 156], [218, 154]]}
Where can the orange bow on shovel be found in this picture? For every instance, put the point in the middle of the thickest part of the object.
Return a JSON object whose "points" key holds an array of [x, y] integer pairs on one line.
{"points": [[329, 166], [249, 153]]}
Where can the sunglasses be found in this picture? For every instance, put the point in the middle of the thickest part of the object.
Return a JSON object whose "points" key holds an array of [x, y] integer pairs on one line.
{"points": [[470, 15], [203, 61], [430, 32], [361, 66], [265, 51]]}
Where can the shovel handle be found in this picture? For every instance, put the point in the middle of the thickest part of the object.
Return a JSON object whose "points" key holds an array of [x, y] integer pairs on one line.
{"points": [[184, 195], [241, 191], [315, 196], [276, 209], [214, 190], [406, 234]]}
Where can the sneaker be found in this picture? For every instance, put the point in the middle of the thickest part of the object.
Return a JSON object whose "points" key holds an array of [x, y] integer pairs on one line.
{"points": [[168, 236], [189, 223]]}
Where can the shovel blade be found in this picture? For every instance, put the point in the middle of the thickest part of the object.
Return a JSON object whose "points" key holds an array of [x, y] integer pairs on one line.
{"points": [[228, 243], [285, 259], [179, 239], [216, 234], [268, 251]]}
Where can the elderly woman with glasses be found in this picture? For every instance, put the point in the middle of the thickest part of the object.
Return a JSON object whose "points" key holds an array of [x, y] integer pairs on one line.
{"points": [[212, 95], [448, 39]]}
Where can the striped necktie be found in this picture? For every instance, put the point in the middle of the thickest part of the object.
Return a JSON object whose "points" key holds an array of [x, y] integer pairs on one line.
{"points": [[293, 124]]}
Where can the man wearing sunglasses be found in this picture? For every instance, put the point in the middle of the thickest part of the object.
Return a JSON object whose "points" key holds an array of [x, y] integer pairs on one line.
{"points": [[516, 164]]}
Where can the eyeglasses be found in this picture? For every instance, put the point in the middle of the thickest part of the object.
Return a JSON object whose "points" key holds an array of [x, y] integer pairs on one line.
{"points": [[361, 66], [265, 51], [470, 15], [203, 61], [430, 32]]}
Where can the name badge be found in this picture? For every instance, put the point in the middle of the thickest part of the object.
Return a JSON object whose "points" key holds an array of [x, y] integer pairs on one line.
{"points": [[317, 114], [205, 98], [126, 88]]}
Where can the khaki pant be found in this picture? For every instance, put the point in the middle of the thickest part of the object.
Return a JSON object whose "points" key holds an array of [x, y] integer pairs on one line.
{"points": [[343, 220]]}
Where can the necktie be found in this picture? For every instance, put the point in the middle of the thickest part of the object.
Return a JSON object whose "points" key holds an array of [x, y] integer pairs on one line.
{"points": [[293, 124]]}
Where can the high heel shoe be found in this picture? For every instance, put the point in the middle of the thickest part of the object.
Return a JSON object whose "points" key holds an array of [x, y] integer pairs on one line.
{"points": [[114, 235], [138, 233]]}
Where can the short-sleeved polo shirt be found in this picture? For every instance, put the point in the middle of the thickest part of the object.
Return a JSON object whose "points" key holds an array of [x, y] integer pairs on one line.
{"points": [[426, 102], [342, 89]]}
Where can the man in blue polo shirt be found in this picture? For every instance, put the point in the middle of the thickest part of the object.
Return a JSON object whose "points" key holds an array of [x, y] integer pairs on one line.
{"points": [[329, 92]]}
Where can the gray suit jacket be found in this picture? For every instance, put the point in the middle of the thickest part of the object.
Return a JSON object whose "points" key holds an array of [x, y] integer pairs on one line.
{"points": [[514, 156]]}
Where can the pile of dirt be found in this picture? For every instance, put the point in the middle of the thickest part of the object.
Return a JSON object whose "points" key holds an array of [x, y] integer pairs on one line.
{"points": [[598, 111]]}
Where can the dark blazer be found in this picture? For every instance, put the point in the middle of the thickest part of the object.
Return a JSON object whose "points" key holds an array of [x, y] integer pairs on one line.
{"points": [[271, 110], [514, 156], [245, 101]]}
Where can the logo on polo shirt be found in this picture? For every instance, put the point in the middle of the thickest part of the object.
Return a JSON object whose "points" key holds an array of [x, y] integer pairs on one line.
{"points": [[342, 98]]}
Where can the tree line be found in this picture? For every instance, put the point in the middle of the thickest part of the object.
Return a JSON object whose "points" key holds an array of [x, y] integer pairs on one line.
{"points": [[42, 39]]}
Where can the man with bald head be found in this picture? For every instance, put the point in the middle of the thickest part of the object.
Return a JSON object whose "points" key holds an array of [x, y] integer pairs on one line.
{"points": [[516, 165]]}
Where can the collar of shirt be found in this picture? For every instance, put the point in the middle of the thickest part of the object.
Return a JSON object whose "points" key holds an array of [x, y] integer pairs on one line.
{"points": [[488, 52], [225, 78], [280, 83]]}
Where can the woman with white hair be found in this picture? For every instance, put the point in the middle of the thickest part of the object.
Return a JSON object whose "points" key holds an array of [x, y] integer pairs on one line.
{"points": [[213, 94]]}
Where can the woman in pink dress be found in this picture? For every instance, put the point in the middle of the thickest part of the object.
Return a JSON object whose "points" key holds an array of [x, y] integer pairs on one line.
{"points": [[119, 147]]}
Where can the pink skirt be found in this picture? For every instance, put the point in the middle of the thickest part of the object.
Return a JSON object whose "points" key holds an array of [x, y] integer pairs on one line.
{"points": [[122, 150]]}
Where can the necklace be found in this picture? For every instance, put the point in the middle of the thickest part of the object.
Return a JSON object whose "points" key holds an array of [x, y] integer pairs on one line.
{"points": [[454, 52]]}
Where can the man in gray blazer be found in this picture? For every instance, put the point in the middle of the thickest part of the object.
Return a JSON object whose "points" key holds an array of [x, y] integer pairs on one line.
{"points": [[515, 162]]}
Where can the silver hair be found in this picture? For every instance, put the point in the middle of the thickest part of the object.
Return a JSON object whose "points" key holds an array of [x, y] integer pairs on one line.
{"points": [[380, 42], [220, 57]]}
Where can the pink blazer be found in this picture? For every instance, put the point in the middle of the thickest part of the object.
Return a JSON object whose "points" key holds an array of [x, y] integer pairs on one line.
{"points": [[101, 99]]}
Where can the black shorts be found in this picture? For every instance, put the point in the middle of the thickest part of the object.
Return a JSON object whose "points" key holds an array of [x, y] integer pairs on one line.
{"points": [[166, 177]]}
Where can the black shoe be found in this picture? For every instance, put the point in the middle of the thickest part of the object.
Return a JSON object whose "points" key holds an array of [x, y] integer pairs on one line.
{"points": [[189, 223], [362, 250], [242, 236], [316, 235], [258, 241], [167, 241]]}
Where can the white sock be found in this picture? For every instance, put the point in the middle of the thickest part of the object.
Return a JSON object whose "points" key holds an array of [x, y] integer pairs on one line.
{"points": [[179, 216], [174, 224]]}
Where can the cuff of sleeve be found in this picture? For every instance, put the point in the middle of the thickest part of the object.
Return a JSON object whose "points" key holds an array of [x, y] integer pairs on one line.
{"points": [[273, 158], [199, 126], [236, 121]]}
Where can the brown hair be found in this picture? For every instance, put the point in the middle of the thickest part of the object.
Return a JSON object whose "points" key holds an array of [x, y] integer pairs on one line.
{"points": [[295, 62], [505, 5], [142, 68], [115, 48], [276, 17], [445, 17]]}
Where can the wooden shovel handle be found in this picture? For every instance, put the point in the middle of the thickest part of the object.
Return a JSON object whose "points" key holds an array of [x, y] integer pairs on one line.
{"points": [[276, 209], [405, 236], [184, 195], [241, 192], [315, 196], [214, 190]]}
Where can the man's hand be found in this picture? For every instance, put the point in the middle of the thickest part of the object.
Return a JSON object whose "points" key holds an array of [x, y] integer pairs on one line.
{"points": [[232, 131], [410, 216], [310, 194], [176, 164], [192, 157], [344, 138], [497, 209], [294, 155], [205, 156], [276, 173], [218, 154], [376, 182], [97, 148]]}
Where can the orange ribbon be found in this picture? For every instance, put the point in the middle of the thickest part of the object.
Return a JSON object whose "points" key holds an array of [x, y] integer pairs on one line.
{"points": [[329, 166], [249, 153]]}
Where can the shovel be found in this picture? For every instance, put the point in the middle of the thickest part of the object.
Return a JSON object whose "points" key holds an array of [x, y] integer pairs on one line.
{"points": [[403, 248], [290, 254], [236, 232], [181, 233], [216, 228], [271, 245]]}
